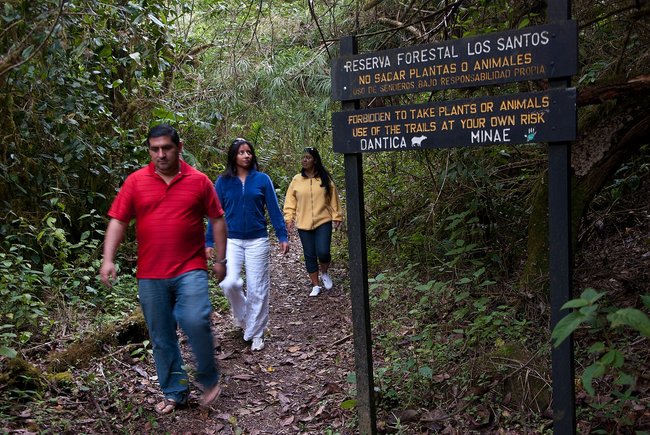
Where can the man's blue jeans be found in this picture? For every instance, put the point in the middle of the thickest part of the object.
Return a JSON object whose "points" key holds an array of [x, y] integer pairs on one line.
{"points": [[182, 301], [316, 245]]}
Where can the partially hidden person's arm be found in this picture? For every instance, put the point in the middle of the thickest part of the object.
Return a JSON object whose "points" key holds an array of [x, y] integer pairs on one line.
{"points": [[275, 214], [209, 235], [114, 235], [209, 240], [290, 207], [219, 238], [335, 206]]}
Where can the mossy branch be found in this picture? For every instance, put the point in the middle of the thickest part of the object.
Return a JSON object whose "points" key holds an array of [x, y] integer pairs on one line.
{"points": [[79, 354]]}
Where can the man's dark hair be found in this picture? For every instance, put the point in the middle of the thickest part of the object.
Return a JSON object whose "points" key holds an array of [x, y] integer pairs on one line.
{"points": [[164, 130]]}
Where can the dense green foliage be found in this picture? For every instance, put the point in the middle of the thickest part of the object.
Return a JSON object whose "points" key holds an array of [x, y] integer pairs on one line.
{"points": [[81, 82]]}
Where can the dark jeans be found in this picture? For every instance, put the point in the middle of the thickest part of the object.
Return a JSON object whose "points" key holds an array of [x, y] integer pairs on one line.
{"points": [[316, 246]]}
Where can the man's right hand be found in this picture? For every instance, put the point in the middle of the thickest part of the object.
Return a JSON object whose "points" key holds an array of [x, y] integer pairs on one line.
{"points": [[114, 234], [107, 272]]}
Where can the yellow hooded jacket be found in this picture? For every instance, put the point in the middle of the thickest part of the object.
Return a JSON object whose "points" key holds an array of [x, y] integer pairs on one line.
{"points": [[306, 203]]}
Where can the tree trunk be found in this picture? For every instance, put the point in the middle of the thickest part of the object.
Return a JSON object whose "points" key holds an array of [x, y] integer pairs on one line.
{"points": [[610, 134]]}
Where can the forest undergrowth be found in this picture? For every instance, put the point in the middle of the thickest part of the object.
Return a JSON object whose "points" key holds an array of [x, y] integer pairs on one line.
{"points": [[454, 351]]}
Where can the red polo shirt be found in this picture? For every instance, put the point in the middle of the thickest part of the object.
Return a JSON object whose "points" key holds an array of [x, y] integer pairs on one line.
{"points": [[169, 219]]}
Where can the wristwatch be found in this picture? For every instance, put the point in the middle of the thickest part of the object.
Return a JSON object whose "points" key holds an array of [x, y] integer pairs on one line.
{"points": [[224, 261]]}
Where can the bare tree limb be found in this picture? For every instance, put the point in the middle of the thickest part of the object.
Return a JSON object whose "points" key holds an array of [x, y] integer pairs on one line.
{"points": [[41, 45], [425, 18], [598, 94], [322, 36], [415, 32], [371, 4], [616, 12]]}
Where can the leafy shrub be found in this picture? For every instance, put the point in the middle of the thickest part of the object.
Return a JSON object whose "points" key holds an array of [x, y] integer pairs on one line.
{"points": [[45, 276], [608, 356], [425, 330], [23, 310]]}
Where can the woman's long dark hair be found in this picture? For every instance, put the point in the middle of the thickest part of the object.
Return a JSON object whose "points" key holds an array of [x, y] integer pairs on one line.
{"points": [[321, 172], [231, 164]]}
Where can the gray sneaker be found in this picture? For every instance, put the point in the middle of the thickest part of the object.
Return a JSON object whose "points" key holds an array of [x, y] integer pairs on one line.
{"points": [[315, 291], [258, 343], [327, 281]]}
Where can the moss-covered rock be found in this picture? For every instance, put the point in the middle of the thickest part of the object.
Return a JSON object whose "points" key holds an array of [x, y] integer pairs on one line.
{"points": [[19, 374]]}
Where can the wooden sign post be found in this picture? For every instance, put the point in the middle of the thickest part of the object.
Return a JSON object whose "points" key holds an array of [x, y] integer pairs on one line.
{"points": [[561, 256], [548, 51], [359, 275]]}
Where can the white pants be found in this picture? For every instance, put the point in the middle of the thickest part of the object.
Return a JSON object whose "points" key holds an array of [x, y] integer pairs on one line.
{"points": [[252, 308]]}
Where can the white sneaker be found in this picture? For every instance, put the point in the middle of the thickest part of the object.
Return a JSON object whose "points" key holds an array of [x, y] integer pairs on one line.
{"points": [[315, 291], [327, 281], [258, 343]]}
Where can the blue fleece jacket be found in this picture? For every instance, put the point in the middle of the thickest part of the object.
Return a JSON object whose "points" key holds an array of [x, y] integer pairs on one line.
{"points": [[245, 206]]}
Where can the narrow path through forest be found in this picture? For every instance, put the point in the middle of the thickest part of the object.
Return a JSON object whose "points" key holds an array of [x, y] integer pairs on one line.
{"points": [[295, 384]]}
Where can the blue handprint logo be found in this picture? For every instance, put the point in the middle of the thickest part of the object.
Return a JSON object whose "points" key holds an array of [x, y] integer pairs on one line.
{"points": [[531, 134]]}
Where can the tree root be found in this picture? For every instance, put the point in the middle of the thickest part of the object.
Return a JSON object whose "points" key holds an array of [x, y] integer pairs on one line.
{"points": [[80, 353]]}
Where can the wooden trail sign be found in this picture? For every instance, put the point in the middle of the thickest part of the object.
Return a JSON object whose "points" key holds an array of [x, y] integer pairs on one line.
{"points": [[526, 54], [544, 52], [509, 119]]}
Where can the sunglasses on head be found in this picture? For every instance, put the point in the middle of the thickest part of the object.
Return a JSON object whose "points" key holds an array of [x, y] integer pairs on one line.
{"points": [[307, 149]]}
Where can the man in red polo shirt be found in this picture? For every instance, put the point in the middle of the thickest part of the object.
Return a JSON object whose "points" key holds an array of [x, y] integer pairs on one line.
{"points": [[169, 200]]}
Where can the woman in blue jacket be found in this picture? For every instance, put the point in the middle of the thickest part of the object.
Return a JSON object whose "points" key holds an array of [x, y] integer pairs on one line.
{"points": [[246, 194]]}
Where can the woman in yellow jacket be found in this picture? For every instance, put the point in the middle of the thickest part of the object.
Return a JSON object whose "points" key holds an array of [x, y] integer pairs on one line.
{"points": [[313, 203]]}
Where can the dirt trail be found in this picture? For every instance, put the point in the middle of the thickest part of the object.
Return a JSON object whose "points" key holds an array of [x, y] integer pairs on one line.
{"points": [[298, 381]]}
